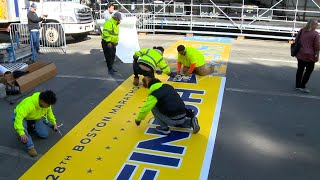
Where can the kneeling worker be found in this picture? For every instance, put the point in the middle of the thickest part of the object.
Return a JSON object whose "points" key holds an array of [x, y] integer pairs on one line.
{"points": [[145, 63], [167, 108], [192, 61], [28, 115]]}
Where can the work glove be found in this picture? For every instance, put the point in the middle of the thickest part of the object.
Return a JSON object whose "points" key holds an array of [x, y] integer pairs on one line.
{"points": [[173, 74], [137, 122]]}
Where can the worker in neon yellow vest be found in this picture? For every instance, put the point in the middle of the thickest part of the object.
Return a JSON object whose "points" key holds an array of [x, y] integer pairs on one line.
{"points": [[192, 61], [145, 63]]}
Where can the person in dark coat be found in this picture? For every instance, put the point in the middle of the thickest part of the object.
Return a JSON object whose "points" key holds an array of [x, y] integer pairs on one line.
{"points": [[33, 26], [167, 108]]}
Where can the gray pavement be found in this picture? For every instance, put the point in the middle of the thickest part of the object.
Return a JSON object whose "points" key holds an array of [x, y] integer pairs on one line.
{"points": [[267, 130]]}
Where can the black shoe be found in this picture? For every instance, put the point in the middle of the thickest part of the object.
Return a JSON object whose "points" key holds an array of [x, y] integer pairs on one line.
{"points": [[163, 130], [195, 125], [112, 71]]}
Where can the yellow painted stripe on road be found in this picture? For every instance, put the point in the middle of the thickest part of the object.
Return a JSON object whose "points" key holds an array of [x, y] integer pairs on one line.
{"points": [[107, 144]]}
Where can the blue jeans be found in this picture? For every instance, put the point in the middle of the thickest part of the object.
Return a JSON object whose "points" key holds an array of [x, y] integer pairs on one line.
{"points": [[35, 37], [40, 129], [165, 121]]}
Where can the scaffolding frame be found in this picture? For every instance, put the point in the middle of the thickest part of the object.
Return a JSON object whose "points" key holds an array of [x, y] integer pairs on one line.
{"points": [[221, 23]]}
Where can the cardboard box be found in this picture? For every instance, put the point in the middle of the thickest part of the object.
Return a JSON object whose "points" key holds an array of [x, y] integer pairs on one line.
{"points": [[38, 73]]}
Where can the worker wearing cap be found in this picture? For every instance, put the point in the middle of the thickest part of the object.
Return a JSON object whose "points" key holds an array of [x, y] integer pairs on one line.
{"points": [[110, 39], [33, 26]]}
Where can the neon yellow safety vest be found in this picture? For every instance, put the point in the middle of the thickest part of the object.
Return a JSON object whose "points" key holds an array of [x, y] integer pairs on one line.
{"points": [[110, 31], [29, 109], [192, 56], [153, 58]]}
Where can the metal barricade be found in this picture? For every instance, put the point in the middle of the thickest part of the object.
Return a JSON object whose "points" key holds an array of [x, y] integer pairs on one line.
{"points": [[52, 38], [20, 47], [144, 21]]}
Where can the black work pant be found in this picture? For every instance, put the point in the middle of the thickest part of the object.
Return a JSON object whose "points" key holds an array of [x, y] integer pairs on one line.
{"points": [[109, 53], [137, 70], [303, 73]]}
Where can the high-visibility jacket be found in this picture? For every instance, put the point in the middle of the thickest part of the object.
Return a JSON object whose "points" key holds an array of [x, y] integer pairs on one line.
{"points": [[165, 98], [153, 58], [192, 56], [110, 31], [29, 109]]}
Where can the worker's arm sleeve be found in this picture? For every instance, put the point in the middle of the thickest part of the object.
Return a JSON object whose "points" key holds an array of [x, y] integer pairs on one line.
{"points": [[20, 114], [192, 68], [147, 107], [141, 52], [164, 66], [51, 117], [179, 64]]}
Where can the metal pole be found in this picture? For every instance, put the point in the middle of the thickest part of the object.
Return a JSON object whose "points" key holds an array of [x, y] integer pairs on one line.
{"points": [[225, 14], [265, 12], [242, 19], [305, 8], [165, 5], [316, 4], [191, 14], [295, 18], [143, 15], [123, 7]]}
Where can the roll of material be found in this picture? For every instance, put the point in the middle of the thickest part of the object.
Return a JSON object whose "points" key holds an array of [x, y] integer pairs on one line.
{"points": [[4, 70], [128, 39]]}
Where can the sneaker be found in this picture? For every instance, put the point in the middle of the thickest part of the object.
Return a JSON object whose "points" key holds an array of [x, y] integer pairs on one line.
{"points": [[40, 52], [195, 125], [32, 152], [136, 81], [305, 90], [163, 130]]}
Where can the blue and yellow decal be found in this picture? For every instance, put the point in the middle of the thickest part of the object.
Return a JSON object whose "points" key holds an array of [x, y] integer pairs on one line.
{"points": [[107, 144]]}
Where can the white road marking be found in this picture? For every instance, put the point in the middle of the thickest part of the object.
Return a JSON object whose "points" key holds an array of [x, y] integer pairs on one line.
{"points": [[91, 78], [275, 60], [298, 94], [213, 133]]}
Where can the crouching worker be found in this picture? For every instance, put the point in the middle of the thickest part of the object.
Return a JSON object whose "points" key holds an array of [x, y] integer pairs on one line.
{"points": [[192, 60], [167, 108], [28, 116], [145, 63]]}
